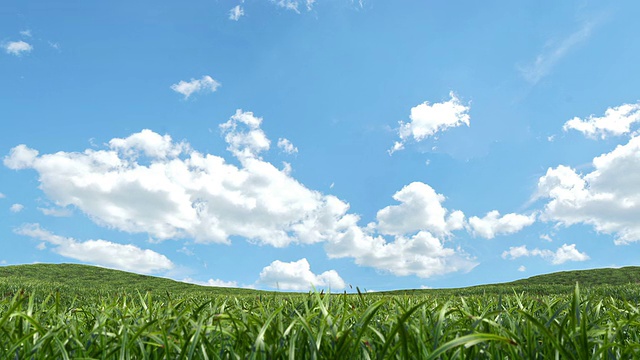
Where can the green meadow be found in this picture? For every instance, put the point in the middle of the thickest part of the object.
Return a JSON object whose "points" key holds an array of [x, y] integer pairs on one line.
{"points": [[81, 312]]}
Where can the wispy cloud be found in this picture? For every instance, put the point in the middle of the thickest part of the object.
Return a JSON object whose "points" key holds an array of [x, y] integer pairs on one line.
{"points": [[100, 252], [235, 13], [554, 51], [186, 88], [16, 208]]}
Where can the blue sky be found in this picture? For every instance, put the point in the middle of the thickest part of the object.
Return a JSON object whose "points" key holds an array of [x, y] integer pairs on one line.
{"points": [[283, 144]]}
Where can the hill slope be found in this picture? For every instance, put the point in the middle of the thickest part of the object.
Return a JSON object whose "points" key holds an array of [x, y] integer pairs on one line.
{"points": [[606, 276], [79, 277]]}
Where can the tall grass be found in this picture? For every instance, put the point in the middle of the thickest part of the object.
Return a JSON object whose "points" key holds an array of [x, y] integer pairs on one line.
{"points": [[42, 322]]}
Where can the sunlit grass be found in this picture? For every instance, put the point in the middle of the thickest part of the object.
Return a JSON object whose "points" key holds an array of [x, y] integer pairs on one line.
{"points": [[47, 322]]}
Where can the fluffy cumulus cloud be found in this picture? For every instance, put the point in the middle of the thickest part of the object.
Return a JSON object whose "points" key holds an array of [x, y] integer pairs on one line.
{"points": [[493, 224], [236, 13], [17, 48], [204, 84], [608, 198], [420, 209], [148, 183], [16, 208], [428, 119], [101, 252], [422, 254], [616, 121], [297, 275], [561, 255]]}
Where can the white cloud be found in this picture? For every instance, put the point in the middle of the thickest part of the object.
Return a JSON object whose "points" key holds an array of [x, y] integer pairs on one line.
{"points": [[206, 83], [16, 208], [287, 146], [245, 144], [616, 121], [146, 183], [148, 143], [2, 196], [294, 4], [235, 13], [26, 33], [546, 237], [554, 51], [426, 120], [492, 224], [608, 198], [522, 268], [101, 252], [20, 157], [56, 212], [212, 282], [561, 255], [420, 209], [297, 275], [422, 255], [17, 48]]}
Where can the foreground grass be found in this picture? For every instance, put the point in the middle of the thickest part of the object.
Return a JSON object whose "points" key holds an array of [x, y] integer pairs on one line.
{"points": [[49, 322]]}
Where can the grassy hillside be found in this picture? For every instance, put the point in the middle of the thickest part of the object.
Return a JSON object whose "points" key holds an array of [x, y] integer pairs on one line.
{"points": [[607, 276], [81, 277], [558, 282], [84, 277]]}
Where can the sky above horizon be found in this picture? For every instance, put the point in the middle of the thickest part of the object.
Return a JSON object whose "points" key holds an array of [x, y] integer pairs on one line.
{"points": [[287, 144]]}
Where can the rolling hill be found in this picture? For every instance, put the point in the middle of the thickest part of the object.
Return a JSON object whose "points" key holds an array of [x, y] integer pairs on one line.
{"points": [[76, 276]]}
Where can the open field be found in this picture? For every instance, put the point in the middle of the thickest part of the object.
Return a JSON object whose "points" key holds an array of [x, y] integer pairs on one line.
{"points": [[63, 314]]}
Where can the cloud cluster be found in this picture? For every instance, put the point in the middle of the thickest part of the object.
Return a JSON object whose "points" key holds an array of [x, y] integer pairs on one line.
{"points": [[427, 119], [148, 183], [204, 84], [561, 255], [608, 198], [297, 275], [101, 252], [492, 224], [17, 48], [616, 121]]}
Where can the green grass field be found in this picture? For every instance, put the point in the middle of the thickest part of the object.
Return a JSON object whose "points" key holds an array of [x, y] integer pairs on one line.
{"points": [[81, 312]]}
